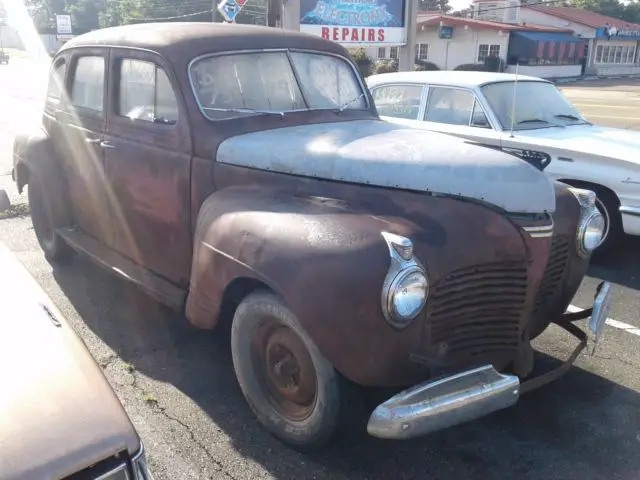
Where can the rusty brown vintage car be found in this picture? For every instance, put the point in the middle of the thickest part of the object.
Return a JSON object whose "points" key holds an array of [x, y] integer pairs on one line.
{"points": [[60, 417], [243, 172]]}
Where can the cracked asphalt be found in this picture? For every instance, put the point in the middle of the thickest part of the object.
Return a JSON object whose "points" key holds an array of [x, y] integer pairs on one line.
{"points": [[177, 385]]}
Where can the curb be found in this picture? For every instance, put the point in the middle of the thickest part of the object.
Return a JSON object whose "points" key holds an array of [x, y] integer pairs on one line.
{"points": [[592, 78]]}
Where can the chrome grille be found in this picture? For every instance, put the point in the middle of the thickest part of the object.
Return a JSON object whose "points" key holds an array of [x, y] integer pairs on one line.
{"points": [[476, 311], [553, 274]]}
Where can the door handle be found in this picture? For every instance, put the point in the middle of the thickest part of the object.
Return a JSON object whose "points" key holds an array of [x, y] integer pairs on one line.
{"points": [[107, 145], [92, 140]]}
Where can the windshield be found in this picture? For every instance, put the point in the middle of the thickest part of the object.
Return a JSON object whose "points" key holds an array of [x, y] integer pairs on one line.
{"points": [[537, 105], [229, 86]]}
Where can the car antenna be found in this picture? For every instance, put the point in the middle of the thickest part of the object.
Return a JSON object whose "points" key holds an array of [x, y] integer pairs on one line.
{"points": [[513, 103]]}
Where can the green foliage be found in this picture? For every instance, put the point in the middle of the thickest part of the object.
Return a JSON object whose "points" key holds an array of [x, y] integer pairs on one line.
{"points": [[385, 66], [361, 59], [422, 66], [434, 5], [472, 67]]}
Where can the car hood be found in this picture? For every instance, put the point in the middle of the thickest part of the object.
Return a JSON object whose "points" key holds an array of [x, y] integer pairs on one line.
{"points": [[380, 153], [59, 413], [589, 140]]}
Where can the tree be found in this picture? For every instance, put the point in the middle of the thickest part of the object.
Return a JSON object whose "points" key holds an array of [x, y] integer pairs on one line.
{"points": [[434, 5]]}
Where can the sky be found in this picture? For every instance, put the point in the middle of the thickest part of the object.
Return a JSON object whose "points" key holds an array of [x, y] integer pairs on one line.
{"points": [[459, 4]]}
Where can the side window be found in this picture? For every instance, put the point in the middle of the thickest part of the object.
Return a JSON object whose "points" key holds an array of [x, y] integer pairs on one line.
{"points": [[399, 101], [478, 118], [450, 106], [145, 93], [56, 83], [87, 90]]}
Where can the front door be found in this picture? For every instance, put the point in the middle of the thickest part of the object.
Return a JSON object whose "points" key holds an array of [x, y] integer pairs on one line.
{"points": [[148, 157], [81, 125], [456, 111]]}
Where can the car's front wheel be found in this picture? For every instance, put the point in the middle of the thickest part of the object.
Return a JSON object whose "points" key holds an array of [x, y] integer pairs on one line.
{"points": [[291, 387], [608, 205], [44, 220]]}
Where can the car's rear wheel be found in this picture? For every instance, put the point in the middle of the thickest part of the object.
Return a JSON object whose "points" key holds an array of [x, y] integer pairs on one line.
{"points": [[608, 205], [45, 222], [291, 387]]}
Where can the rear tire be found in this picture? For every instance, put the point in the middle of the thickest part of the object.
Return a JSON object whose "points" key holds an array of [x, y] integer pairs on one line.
{"points": [[608, 205], [45, 222], [291, 387]]}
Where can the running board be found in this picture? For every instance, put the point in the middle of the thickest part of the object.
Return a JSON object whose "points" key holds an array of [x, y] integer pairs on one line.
{"points": [[160, 289]]}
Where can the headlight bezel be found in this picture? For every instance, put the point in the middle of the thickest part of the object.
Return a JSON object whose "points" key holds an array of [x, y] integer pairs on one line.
{"points": [[584, 224], [403, 264]]}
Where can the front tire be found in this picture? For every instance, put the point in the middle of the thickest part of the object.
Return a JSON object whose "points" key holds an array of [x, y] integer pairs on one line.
{"points": [[608, 205], [44, 221], [291, 387]]}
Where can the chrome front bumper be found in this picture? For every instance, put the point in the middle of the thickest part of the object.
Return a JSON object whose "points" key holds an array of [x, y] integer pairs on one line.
{"points": [[466, 396]]}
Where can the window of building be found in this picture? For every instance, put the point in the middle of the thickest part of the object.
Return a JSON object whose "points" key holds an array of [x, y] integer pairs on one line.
{"points": [[488, 50], [615, 54], [393, 53], [382, 52], [399, 101], [87, 91], [422, 52], [146, 94]]}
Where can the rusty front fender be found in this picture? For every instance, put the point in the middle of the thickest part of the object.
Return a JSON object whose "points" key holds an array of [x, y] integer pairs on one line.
{"points": [[326, 261]]}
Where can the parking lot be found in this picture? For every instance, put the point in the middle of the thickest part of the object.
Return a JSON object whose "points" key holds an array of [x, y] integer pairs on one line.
{"points": [[178, 386]]}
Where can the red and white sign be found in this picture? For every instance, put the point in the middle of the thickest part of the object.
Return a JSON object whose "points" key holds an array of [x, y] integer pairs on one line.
{"points": [[357, 35]]}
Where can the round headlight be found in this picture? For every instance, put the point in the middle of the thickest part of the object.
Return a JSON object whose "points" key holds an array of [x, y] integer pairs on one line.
{"points": [[591, 231], [407, 295]]}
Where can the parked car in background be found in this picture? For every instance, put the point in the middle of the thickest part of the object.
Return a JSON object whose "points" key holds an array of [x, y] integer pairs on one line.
{"points": [[530, 118], [61, 419], [242, 172], [4, 57]]}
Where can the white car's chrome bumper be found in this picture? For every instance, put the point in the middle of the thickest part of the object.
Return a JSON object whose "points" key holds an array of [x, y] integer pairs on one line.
{"points": [[630, 219]]}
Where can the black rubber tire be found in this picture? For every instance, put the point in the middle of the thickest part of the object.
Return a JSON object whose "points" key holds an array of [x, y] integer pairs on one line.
{"points": [[329, 409], [44, 224], [608, 205]]}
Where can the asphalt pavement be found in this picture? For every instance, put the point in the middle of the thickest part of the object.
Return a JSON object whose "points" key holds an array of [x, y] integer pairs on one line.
{"points": [[178, 386]]}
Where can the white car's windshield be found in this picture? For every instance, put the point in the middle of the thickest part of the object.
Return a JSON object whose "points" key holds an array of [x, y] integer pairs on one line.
{"points": [[537, 105], [228, 86]]}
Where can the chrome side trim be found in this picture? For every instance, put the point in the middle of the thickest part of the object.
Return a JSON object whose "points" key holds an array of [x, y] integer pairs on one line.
{"points": [[539, 231], [633, 211], [432, 406]]}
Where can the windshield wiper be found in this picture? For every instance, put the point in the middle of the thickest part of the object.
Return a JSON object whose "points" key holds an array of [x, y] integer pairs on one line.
{"points": [[344, 106], [538, 120], [244, 110], [569, 116]]}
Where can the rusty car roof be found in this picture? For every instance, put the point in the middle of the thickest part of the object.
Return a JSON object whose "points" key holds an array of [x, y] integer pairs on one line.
{"points": [[177, 40]]}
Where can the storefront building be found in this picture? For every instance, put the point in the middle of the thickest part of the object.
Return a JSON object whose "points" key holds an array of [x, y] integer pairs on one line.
{"points": [[613, 45]]}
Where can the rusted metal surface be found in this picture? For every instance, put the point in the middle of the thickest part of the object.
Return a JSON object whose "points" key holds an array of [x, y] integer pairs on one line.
{"points": [[159, 198]]}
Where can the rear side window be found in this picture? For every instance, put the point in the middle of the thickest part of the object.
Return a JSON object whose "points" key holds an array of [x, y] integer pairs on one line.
{"points": [[56, 83], [87, 90], [145, 93], [399, 101]]}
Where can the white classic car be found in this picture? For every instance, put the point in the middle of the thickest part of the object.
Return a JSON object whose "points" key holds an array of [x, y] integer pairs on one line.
{"points": [[532, 119]]}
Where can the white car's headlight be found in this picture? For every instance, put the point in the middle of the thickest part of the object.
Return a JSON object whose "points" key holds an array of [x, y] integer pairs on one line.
{"points": [[407, 295], [590, 231]]}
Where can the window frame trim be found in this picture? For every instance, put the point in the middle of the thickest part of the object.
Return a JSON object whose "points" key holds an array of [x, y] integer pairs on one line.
{"points": [[286, 51]]}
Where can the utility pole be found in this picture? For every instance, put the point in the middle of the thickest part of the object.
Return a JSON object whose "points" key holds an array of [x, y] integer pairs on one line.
{"points": [[214, 11], [291, 15], [407, 53]]}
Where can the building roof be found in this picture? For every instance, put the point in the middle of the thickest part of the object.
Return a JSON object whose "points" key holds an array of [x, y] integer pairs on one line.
{"points": [[488, 25], [583, 17], [445, 77]]}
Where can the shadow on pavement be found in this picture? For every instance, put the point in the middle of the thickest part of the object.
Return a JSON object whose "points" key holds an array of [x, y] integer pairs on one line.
{"points": [[622, 266], [582, 426]]}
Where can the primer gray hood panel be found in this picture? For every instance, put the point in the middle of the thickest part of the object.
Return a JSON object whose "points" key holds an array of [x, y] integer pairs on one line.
{"points": [[383, 154]]}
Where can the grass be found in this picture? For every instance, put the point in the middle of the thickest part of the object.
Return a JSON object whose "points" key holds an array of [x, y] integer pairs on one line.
{"points": [[149, 399], [14, 211], [129, 367]]}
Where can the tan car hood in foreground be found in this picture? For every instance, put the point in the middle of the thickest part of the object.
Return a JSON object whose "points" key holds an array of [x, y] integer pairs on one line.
{"points": [[58, 413]]}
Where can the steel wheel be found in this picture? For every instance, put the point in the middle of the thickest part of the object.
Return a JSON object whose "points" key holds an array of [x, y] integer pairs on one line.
{"points": [[607, 219], [285, 370]]}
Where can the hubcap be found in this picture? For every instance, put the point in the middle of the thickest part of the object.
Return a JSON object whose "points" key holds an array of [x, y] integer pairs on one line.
{"points": [[285, 370]]}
